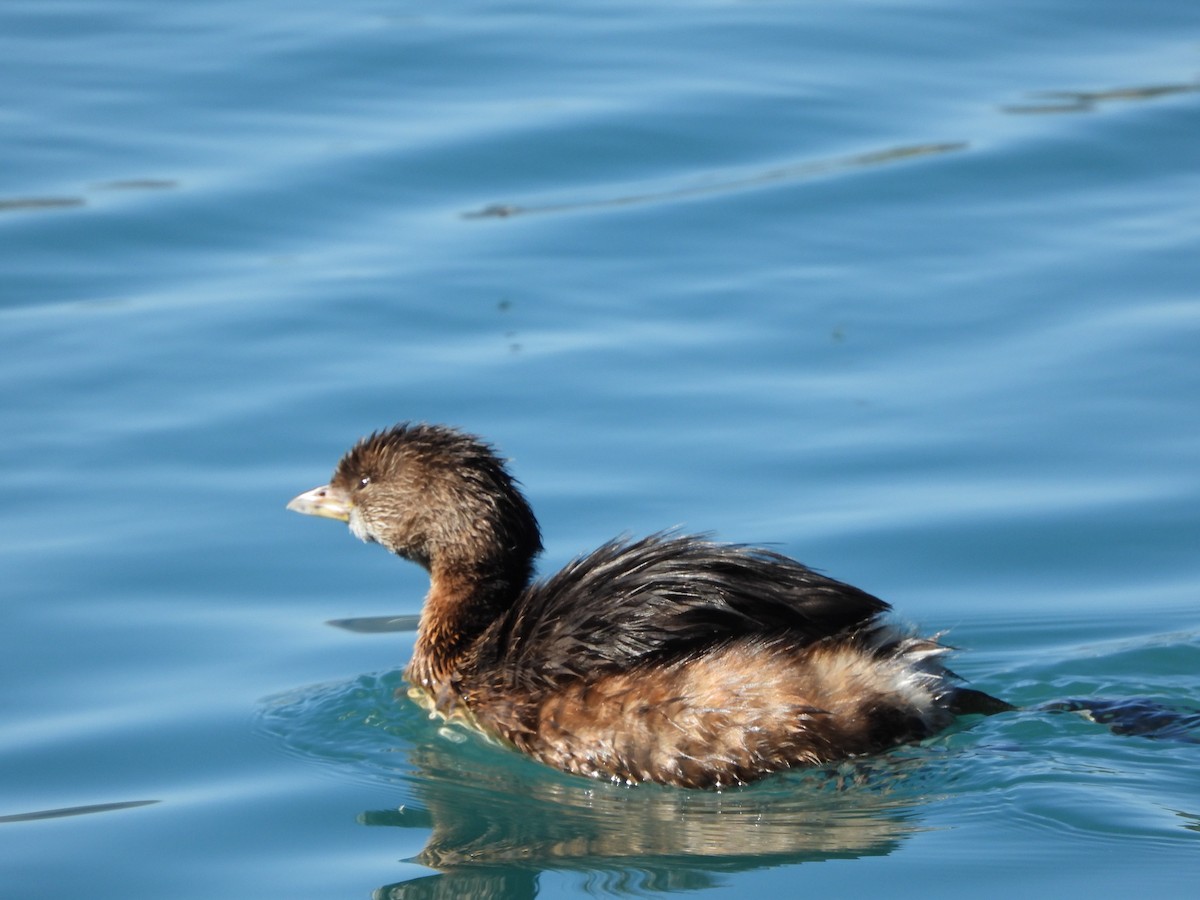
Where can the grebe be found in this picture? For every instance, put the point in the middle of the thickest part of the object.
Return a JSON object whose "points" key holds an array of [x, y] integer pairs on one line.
{"points": [[671, 659]]}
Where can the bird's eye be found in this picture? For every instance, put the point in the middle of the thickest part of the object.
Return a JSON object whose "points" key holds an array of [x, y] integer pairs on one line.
{"points": [[364, 481]]}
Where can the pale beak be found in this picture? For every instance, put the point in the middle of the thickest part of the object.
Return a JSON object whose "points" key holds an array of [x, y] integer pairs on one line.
{"points": [[325, 501]]}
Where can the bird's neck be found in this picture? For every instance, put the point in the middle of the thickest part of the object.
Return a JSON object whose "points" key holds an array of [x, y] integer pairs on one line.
{"points": [[463, 600]]}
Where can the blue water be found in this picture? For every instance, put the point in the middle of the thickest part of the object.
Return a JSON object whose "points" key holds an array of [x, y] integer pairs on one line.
{"points": [[907, 290]]}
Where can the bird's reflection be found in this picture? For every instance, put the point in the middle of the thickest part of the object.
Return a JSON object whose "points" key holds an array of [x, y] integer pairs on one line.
{"points": [[496, 819], [493, 830]]}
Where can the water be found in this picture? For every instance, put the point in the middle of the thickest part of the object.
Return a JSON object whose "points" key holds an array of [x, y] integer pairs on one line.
{"points": [[906, 290]]}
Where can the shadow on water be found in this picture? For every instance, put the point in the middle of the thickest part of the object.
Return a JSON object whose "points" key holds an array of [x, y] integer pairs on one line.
{"points": [[376, 624], [1046, 102], [37, 204], [1135, 716], [795, 172], [68, 811], [495, 819], [1043, 102]]}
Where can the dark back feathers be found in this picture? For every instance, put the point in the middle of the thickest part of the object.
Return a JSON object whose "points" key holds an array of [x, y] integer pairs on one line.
{"points": [[660, 597]]}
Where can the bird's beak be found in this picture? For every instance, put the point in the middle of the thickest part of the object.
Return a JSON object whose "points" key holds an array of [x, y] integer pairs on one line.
{"points": [[325, 501]]}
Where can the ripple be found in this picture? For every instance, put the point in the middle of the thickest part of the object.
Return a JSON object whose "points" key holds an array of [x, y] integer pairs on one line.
{"points": [[1121, 769], [484, 805]]}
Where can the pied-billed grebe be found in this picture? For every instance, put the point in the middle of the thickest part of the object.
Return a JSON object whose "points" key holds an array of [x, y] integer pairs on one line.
{"points": [[670, 659]]}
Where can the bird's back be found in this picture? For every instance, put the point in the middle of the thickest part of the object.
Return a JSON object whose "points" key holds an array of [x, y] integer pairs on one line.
{"points": [[678, 660]]}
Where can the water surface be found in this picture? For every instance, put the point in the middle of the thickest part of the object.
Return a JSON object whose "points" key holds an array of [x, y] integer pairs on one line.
{"points": [[906, 290]]}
